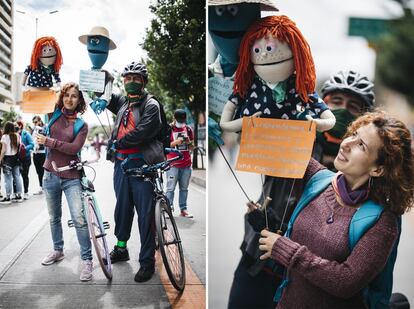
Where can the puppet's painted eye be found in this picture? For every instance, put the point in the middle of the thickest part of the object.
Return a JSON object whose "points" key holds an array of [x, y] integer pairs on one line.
{"points": [[256, 49], [220, 9], [270, 48], [94, 41], [232, 9]]}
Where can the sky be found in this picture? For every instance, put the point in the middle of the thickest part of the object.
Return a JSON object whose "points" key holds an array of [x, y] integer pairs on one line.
{"points": [[126, 22]]}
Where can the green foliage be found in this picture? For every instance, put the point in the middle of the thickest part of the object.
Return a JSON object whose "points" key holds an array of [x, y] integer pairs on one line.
{"points": [[395, 56], [175, 43], [12, 116]]}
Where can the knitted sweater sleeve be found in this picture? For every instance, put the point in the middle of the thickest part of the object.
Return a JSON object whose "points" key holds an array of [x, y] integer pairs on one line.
{"points": [[69, 148], [342, 279]]}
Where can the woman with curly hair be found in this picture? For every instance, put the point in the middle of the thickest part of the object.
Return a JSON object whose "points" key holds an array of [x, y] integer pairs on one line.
{"points": [[63, 146], [375, 164]]}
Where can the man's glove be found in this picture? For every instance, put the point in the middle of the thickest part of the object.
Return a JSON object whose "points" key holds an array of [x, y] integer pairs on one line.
{"points": [[98, 106], [214, 131], [111, 150]]}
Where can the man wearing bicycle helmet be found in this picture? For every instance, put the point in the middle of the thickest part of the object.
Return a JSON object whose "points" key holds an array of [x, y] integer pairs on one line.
{"points": [[134, 143], [348, 95]]}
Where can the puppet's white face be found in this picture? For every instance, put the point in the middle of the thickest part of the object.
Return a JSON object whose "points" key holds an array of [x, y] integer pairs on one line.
{"points": [[48, 55], [272, 59]]}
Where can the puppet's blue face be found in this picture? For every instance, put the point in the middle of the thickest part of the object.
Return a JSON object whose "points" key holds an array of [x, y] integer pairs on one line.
{"points": [[98, 48], [227, 25]]}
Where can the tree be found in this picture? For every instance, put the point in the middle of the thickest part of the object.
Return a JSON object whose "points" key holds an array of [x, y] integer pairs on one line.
{"points": [[175, 43], [12, 116], [395, 55]]}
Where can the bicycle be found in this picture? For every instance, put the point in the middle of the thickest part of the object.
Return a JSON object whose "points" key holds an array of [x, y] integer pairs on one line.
{"points": [[93, 216], [169, 242]]}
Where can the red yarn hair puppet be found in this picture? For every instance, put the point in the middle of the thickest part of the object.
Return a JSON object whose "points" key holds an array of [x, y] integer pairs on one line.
{"points": [[275, 77], [45, 62], [285, 30]]}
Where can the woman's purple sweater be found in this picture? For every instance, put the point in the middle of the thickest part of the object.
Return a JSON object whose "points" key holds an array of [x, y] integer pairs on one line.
{"points": [[322, 271], [63, 148]]}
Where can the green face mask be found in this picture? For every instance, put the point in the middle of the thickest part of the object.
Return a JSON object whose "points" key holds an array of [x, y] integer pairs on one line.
{"points": [[134, 88], [343, 119]]}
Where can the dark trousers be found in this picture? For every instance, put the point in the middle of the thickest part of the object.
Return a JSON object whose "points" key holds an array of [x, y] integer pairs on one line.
{"points": [[25, 173], [39, 160], [252, 292], [130, 192]]}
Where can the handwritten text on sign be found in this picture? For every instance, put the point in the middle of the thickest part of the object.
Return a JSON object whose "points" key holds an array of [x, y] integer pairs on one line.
{"points": [[275, 147], [91, 80], [219, 90]]}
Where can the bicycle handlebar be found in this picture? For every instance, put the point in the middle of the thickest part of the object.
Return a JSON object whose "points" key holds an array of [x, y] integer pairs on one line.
{"points": [[74, 164], [147, 169]]}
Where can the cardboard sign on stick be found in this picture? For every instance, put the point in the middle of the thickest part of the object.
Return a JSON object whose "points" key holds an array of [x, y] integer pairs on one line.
{"points": [[39, 101], [276, 147], [219, 90]]}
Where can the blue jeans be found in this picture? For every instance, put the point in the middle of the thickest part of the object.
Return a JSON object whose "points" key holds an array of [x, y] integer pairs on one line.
{"points": [[138, 192], [182, 176], [53, 187], [11, 173]]}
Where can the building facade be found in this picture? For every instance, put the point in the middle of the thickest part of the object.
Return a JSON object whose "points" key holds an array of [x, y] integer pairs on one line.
{"points": [[6, 51]]}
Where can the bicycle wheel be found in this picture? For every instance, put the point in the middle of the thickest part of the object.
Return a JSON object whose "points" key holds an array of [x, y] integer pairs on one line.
{"points": [[97, 234], [169, 243]]}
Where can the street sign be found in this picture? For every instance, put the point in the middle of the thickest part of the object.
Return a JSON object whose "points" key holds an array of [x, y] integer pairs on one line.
{"points": [[369, 28]]}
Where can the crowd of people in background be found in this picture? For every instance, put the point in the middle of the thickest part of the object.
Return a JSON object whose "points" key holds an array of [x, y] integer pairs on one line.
{"points": [[16, 161]]}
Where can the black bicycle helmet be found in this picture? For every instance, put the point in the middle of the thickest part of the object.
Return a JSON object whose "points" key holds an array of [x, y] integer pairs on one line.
{"points": [[180, 115], [353, 83], [136, 68]]}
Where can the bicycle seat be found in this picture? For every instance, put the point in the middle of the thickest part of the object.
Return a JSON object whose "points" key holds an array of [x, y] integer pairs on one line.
{"points": [[87, 185]]}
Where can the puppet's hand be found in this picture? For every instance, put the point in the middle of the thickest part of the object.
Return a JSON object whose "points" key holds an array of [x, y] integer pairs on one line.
{"points": [[214, 131], [98, 105], [325, 123]]}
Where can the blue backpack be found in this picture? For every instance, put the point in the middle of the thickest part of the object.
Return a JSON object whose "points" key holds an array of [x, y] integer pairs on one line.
{"points": [[377, 294], [78, 125]]}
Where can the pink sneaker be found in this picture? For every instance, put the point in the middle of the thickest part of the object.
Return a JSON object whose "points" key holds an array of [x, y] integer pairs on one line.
{"points": [[86, 272], [185, 214], [53, 257]]}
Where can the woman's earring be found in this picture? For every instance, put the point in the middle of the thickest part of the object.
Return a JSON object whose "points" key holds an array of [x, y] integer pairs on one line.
{"points": [[370, 182]]}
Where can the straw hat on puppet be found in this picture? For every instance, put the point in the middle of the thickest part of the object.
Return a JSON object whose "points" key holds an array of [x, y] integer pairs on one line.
{"points": [[97, 30], [265, 5]]}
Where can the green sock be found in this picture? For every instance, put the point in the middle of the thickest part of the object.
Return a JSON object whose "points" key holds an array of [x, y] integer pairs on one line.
{"points": [[121, 244]]}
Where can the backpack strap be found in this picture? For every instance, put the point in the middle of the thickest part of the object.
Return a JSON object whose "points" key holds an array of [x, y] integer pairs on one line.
{"points": [[318, 182], [56, 114], [378, 293], [363, 219]]}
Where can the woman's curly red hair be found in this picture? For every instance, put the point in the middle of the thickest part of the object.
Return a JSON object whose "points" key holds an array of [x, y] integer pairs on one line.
{"points": [[285, 30], [395, 188], [37, 51]]}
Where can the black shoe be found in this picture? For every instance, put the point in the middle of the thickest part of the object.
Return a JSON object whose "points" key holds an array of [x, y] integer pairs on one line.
{"points": [[144, 274], [119, 254]]}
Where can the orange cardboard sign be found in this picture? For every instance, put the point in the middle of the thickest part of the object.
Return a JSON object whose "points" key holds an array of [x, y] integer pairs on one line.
{"points": [[39, 101], [276, 147]]}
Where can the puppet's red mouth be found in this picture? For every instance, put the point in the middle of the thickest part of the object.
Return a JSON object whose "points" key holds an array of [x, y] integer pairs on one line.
{"points": [[48, 56], [277, 62]]}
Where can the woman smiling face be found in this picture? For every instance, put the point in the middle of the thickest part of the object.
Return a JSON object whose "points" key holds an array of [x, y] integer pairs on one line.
{"points": [[71, 99], [357, 156]]}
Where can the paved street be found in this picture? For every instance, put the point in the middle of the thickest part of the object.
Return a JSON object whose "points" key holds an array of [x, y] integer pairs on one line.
{"points": [[25, 239], [226, 227]]}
